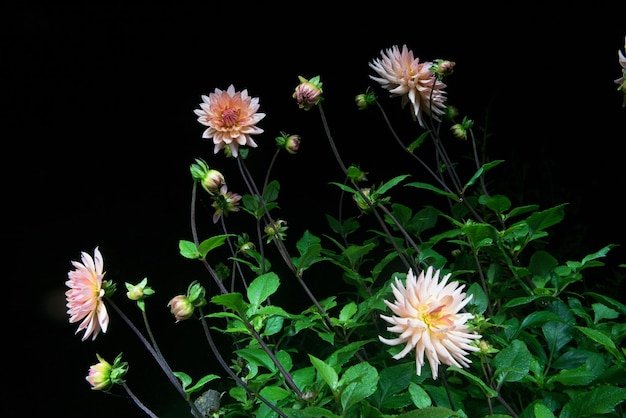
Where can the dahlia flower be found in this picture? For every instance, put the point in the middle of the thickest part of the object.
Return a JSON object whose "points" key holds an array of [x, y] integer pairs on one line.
{"points": [[231, 117], [85, 296], [406, 77], [225, 202], [428, 320]]}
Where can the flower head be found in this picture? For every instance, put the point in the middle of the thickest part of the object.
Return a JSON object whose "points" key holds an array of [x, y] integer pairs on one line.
{"points": [[276, 230], [291, 143], [139, 292], [428, 320], [308, 93], [103, 375], [180, 307], [210, 179], [231, 117], [225, 202], [183, 306], [460, 129], [414, 81], [85, 295], [622, 80], [365, 100]]}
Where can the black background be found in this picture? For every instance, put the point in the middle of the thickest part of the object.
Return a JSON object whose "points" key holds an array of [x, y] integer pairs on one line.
{"points": [[99, 133]]}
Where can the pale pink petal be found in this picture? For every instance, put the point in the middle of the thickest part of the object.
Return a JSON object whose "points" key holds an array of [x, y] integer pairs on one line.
{"points": [[427, 319]]}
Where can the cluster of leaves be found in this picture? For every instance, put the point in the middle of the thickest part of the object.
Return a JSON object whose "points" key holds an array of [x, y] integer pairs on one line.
{"points": [[547, 350]]}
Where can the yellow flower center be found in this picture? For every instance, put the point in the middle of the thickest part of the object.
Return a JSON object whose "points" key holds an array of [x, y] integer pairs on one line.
{"points": [[436, 318]]}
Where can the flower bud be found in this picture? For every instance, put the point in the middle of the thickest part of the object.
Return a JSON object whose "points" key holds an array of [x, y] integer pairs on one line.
{"points": [[365, 100], [290, 143], [139, 291], [103, 375], [460, 129], [293, 144], [181, 307], [356, 175], [308, 93], [276, 230], [360, 201], [210, 179], [246, 247], [442, 68]]}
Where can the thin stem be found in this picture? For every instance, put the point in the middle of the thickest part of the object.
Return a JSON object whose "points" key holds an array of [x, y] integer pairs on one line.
{"points": [[344, 169], [138, 402], [460, 194], [279, 243], [159, 359], [270, 353], [229, 371], [194, 233]]}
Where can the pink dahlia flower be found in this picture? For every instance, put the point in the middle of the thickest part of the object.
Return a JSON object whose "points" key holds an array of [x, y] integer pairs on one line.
{"points": [[231, 117], [428, 320], [84, 297], [412, 80]]}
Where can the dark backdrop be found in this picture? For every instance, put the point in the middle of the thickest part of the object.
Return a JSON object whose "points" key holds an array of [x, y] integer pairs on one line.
{"points": [[99, 133]]}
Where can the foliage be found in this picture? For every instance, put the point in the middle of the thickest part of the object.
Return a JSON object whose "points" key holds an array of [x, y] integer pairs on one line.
{"points": [[547, 350]]}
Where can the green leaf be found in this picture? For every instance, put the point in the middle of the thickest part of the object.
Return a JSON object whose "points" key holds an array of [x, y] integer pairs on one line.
{"points": [[188, 250], [309, 412], [392, 381], [270, 193], [557, 334], [481, 171], [261, 288], [344, 187], [200, 384], [419, 396], [308, 258], [257, 357], [489, 393], [513, 362], [383, 188], [598, 254], [432, 188], [274, 393], [212, 243], [347, 312], [357, 383], [609, 301], [346, 353], [602, 339], [431, 412], [582, 375], [416, 144], [602, 311], [232, 301], [479, 298], [326, 372], [600, 400], [536, 318], [539, 221], [542, 411], [498, 203], [184, 378]]}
